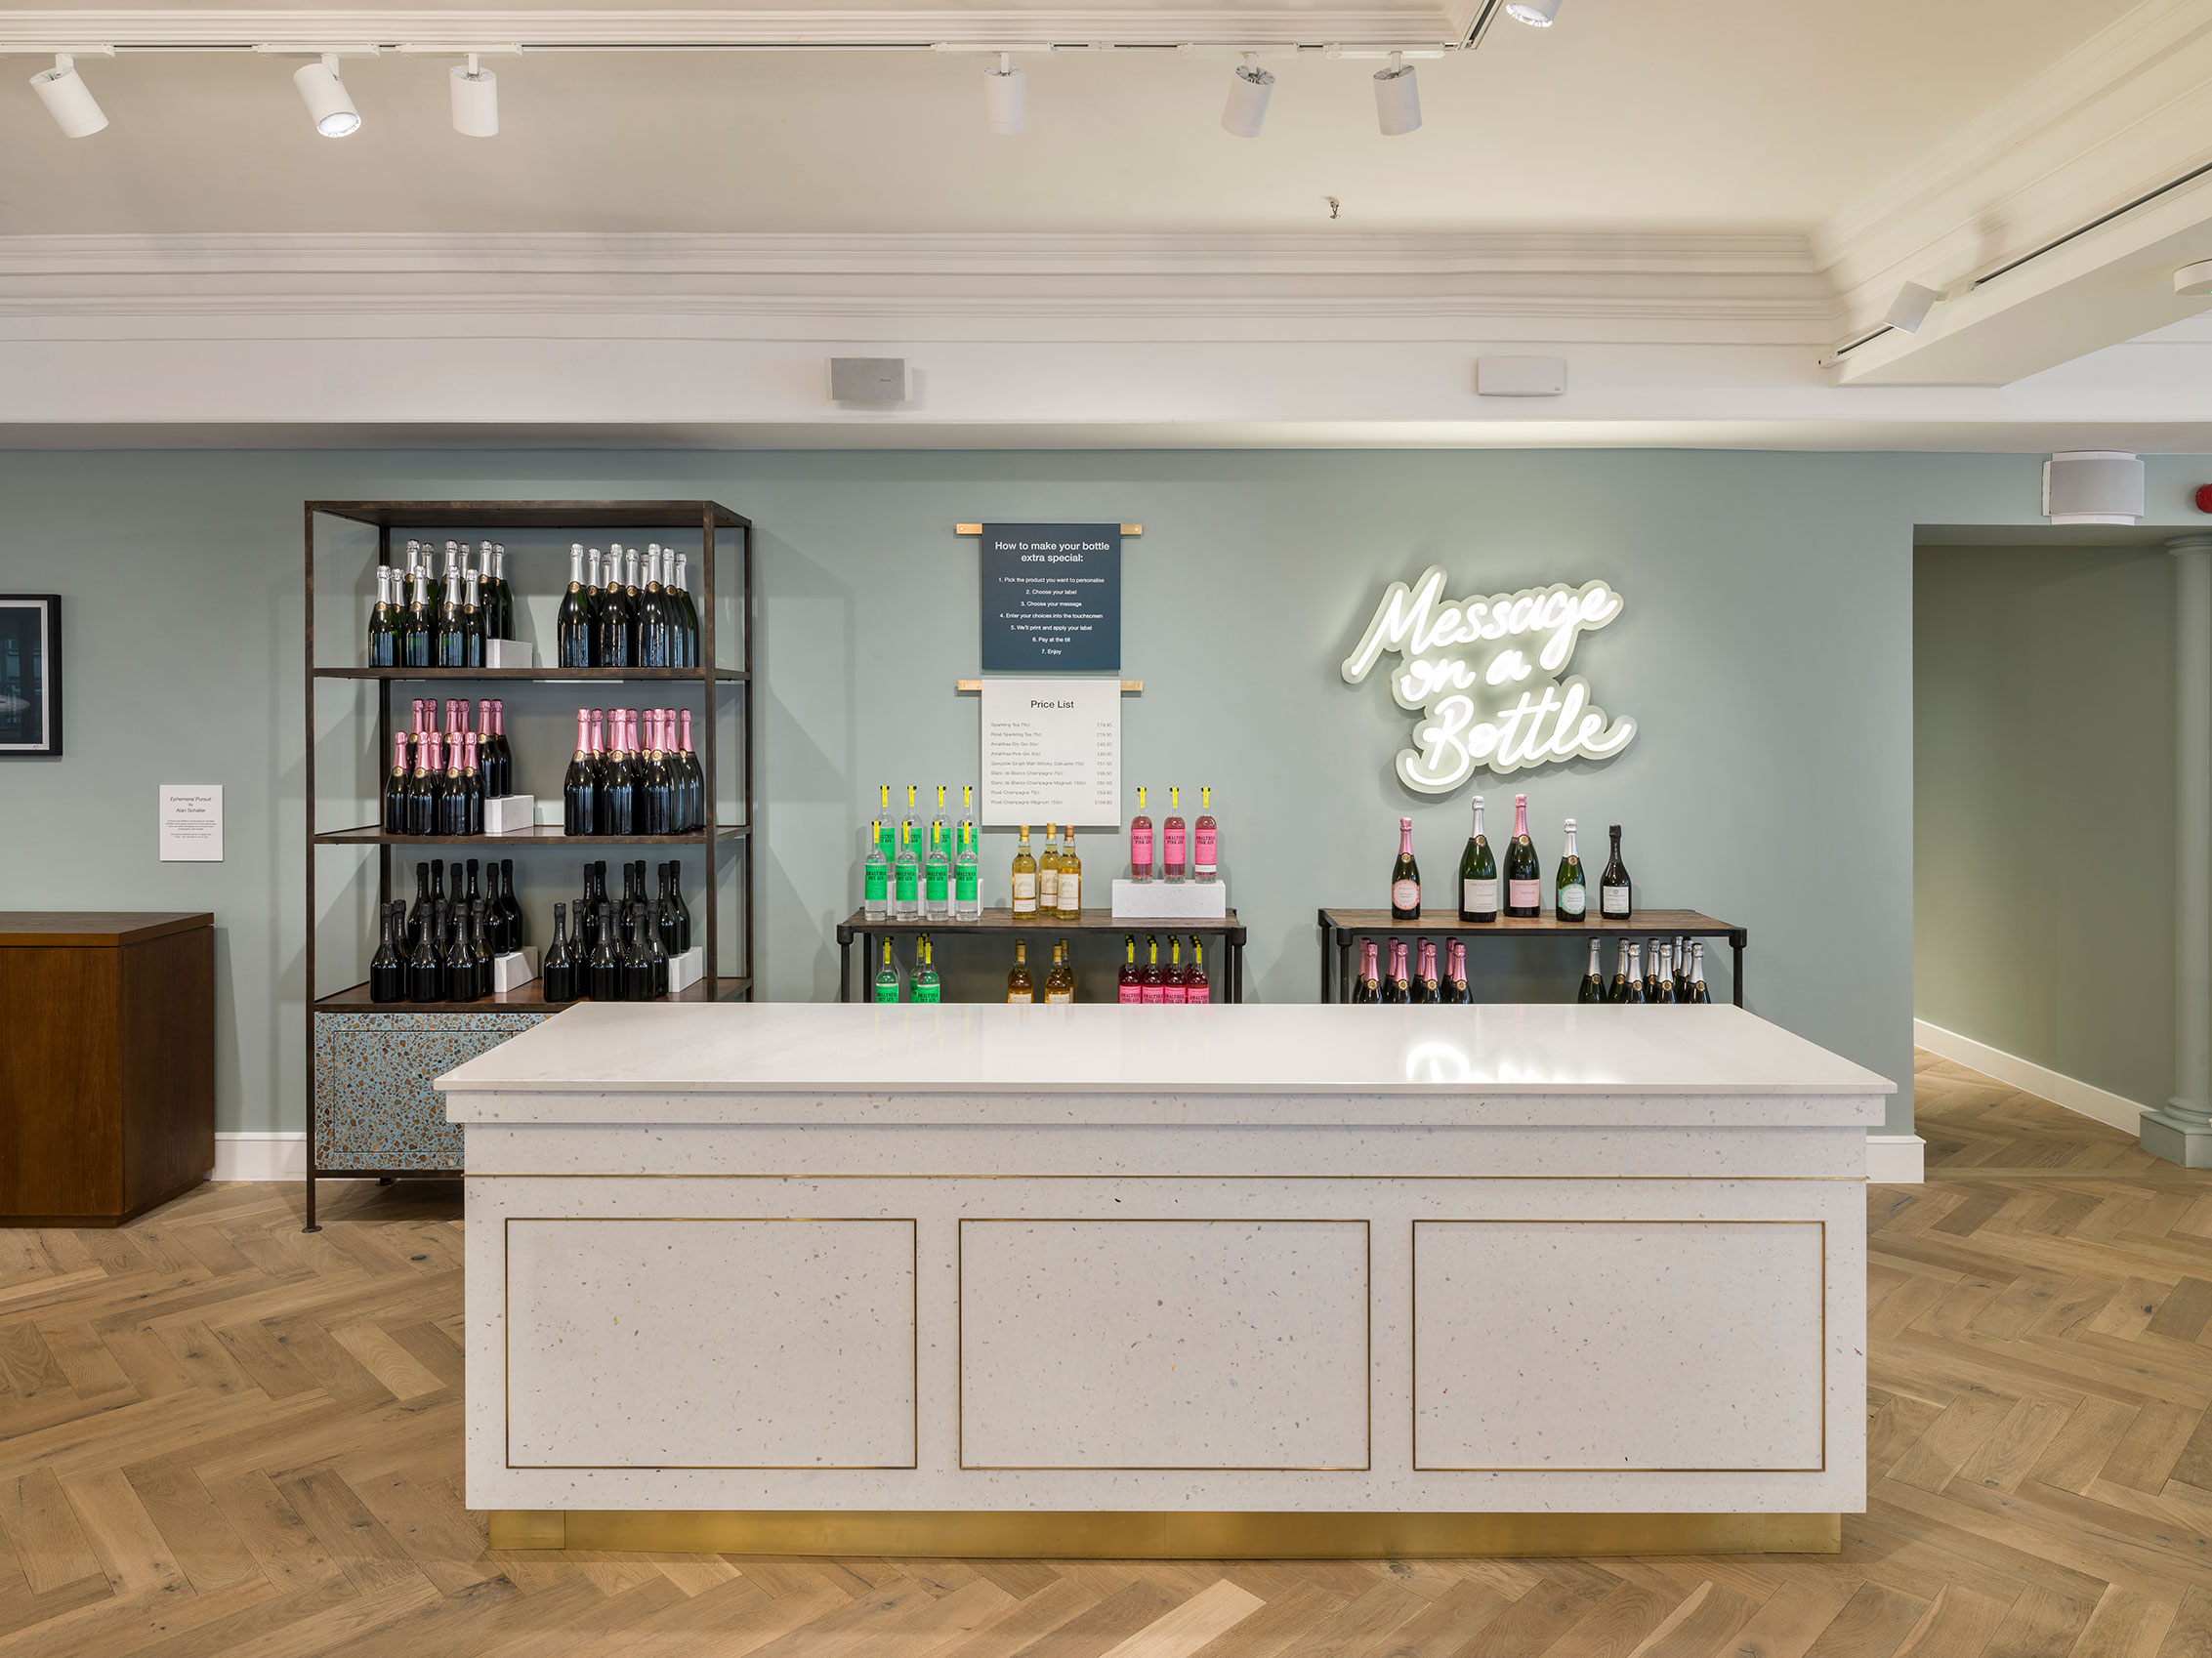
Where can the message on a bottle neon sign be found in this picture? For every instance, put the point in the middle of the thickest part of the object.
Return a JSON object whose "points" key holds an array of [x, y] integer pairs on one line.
{"points": [[1484, 676]]}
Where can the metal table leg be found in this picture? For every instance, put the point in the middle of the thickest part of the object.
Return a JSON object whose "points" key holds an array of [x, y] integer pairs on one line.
{"points": [[1737, 942]]}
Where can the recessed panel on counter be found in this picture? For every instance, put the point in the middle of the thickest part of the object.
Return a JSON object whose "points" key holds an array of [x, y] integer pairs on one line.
{"points": [[639, 1344], [1648, 1346], [1163, 1344]]}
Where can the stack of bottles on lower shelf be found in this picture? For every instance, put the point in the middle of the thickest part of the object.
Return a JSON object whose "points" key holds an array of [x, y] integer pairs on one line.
{"points": [[442, 950], [1174, 983], [1149, 981], [621, 951], [1672, 970], [439, 781]]}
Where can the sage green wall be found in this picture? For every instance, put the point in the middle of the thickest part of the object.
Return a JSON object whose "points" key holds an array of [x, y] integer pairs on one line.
{"points": [[2043, 806], [1766, 651]]}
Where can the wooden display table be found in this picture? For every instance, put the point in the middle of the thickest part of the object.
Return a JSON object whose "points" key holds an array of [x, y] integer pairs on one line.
{"points": [[107, 1073]]}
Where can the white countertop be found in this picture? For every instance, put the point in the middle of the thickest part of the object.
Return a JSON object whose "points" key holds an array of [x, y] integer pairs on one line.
{"points": [[784, 1047]]}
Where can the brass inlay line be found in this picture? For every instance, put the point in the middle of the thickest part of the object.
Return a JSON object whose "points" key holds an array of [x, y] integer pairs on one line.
{"points": [[1119, 1534], [719, 1175]]}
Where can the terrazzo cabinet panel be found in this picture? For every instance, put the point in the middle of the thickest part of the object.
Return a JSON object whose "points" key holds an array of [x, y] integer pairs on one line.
{"points": [[374, 1103]]}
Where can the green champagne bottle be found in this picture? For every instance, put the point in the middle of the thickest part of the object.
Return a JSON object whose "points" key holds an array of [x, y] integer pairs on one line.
{"points": [[1570, 893], [1593, 980]]}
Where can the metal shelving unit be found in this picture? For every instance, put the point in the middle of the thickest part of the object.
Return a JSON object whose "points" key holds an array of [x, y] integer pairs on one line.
{"points": [[1340, 927], [387, 1051], [1001, 922]]}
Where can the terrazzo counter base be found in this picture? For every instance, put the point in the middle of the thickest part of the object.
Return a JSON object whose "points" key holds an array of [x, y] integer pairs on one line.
{"points": [[1208, 1281]]}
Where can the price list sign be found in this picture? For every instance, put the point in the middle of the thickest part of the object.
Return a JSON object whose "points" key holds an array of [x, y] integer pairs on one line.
{"points": [[1052, 752], [1051, 598]]}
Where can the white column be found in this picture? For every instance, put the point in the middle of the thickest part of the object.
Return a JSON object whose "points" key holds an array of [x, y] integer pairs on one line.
{"points": [[2182, 1133]]}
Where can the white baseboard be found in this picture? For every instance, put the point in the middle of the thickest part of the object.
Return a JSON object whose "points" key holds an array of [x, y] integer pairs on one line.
{"points": [[278, 1156], [2101, 1104], [1897, 1159]]}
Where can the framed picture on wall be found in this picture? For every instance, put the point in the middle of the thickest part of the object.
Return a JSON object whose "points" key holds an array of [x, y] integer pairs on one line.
{"points": [[30, 675]]}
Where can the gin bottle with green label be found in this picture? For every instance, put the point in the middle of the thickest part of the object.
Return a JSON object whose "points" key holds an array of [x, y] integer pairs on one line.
{"points": [[937, 872], [926, 986], [875, 877], [887, 976], [906, 869], [967, 872]]}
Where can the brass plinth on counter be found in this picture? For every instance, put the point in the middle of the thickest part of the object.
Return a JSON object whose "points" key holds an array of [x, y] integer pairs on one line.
{"points": [[1124, 1535]]}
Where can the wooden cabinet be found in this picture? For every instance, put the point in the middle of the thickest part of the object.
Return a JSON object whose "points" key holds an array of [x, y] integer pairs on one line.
{"points": [[106, 1064]]}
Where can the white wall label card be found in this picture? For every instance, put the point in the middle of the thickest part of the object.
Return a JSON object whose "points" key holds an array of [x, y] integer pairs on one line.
{"points": [[192, 823], [1052, 752]]}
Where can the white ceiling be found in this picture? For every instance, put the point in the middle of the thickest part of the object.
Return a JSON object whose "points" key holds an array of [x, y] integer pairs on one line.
{"points": [[1726, 114]]}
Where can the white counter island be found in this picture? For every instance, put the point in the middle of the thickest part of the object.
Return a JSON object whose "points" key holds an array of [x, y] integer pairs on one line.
{"points": [[1205, 1281]]}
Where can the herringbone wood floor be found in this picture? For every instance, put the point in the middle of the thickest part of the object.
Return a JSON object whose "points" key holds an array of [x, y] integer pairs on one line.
{"points": [[220, 1436]]}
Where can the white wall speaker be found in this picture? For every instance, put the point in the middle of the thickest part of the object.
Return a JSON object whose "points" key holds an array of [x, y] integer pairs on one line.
{"points": [[1520, 377], [868, 380], [2092, 486]]}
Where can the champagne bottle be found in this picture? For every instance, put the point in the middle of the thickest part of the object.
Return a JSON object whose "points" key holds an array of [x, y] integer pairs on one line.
{"points": [[648, 932], [887, 976], [1699, 993], [419, 916], [1662, 980], [1679, 959], [966, 870], [694, 777], [611, 619], [1616, 894], [1175, 839], [1154, 981], [394, 816], [1369, 986], [1651, 972], [557, 974], [1404, 878], [926, 985], [1130, 986], [635, 596], [1398, 985], [937, 874], [472, 786], [1570, 891], [1019, 987], [1206, 840], [652, 626], [606, 963], [1524, 875], [1048, 876], [1195, 985], [383, 630], [1455, 990], [422, 963], [472, 621], [1423, 987], [1024, 880], [502, 593], [579, 810], [1060, 982], [1593, 978], [387, 968], [1634, 994], [479, 919], [636, 961], [1071, 877], [1140, 841], [1477, 874], [875, 878], [666, 920]]}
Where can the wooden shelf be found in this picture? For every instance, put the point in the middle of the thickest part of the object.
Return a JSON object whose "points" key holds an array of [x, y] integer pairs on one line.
{"points": [[564, 676], [537, 835], [1002, 921], [530, 996], [1379, 923], [534, 515]]}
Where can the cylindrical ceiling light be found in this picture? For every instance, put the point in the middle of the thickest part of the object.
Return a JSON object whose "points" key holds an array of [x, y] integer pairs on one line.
{"points": [[476, 100], [1397, 98], [326, 98], [1247, 106], [68, 99], [1006, 97], [1538, 13]]}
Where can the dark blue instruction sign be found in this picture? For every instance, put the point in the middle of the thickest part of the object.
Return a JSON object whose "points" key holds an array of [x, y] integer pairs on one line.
{"points": [[1052, 599]]}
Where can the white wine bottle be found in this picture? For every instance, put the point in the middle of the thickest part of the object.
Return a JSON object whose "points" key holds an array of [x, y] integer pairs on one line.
{"points": [[1570, 893]]}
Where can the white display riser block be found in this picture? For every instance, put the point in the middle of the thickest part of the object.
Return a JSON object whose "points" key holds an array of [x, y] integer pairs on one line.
{"points": [[516, 969], [504, 815], [686, 969], [1170, 900], [509, 653]]}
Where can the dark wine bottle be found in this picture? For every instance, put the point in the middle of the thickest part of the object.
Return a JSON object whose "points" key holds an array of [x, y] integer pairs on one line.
{"points": [[694, 813], [654, 952], [1679, 959], [384, 629], [682, 910], [1423, 989], [418, 627], [634, 595], [665, 921], [1593, 978], [388, 967], [617, 795], [573, 625], [422, 963], [1618, 990], [1367, 988], [1397, 986], [1404, 878], [637, 965], [1616, 894], [396, 787], [1524, 875], [1651, 972], [461, 959], [578, 809], [557, 974], [419, 916], [471, 891], [508, 911], [1570, 891], [1455, 990], [688, 645], [611, 628], [422, 787], [652, 617], [605, 966], [474, 630], [479, 919], [1477, 874]]}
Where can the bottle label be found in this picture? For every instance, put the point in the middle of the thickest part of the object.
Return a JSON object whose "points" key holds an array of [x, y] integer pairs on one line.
{"points": [[1048, 888], [1140, 847], [1131, 993], [928, 993], [964, 879], [1206, 857], [878, 883], [1070, 892], [1405, 895], [1025, 997], [887, 990], [1176, 846], [1572, 898], [1155, 993], [1613, 900], [935, 879], [1054, 998], [907, 879], [1523, 894], [1172, 994], [1026, 894], [1479, 897]]}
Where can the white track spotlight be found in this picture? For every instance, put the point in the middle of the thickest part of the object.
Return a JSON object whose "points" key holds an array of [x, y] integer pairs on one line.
{"points": [[1247, 106], [1538, 13], [476, 100], [68, 99], [1006, 97], [1911, 309], [1397, 98], [326, 98]]}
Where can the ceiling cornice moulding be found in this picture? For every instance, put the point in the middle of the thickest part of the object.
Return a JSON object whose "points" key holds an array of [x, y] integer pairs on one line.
{"points": [[914, 27]]}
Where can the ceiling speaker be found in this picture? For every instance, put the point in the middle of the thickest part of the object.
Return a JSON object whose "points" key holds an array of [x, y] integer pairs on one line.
{"points": [[2092, 486], [867, 380]]}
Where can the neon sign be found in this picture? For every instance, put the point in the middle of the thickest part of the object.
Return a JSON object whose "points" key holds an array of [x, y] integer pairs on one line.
{"points": [[1489, 693]]}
